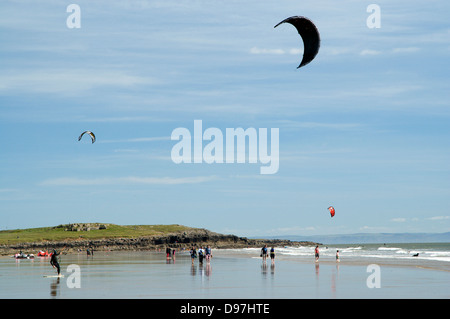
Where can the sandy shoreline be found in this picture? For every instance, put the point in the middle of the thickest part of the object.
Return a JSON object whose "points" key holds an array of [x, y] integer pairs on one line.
{"points": [[344, 261], [230, 274], [237, 251]]}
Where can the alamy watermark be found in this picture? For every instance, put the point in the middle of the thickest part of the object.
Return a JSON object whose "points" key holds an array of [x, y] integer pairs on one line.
{"points": [[74, 279], [73, 21], [374, 279], [233, 148], [374, 19]]}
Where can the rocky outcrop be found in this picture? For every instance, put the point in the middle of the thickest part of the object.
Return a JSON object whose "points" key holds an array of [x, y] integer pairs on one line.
{"points": [[82, 227], [185, 239]]}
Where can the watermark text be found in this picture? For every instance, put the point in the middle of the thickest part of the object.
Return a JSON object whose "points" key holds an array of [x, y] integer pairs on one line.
{"points": [[233, 148]]}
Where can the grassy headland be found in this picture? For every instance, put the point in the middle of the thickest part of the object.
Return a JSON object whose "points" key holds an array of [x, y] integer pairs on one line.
{"points": [[98, 236], [78, 231]]}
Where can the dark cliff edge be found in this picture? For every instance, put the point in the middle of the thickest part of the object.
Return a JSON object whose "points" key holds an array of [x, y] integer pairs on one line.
{"points": [[178, 240]]}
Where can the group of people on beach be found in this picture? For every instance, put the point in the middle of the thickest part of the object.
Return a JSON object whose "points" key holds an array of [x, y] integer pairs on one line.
{"points": [[272, 254], [264, 253], [201, 253], [170, 253], [316, 254]]}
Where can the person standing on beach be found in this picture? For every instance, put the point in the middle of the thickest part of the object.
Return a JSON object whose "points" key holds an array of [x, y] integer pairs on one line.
{"points": [[316, 252], [200, 255], [272, 254], [193, 254], [54, 261], [337, 256], [264, 252], [208, 253]]}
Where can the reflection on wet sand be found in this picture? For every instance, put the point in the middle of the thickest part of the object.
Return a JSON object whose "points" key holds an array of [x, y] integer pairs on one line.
{"points": [[202, 269], [264, 269], [334, 279], [54, 287], [147, 275], [208, 270]]}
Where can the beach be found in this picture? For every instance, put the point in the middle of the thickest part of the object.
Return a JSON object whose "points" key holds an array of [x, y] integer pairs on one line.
{"points": [[232, 273]]}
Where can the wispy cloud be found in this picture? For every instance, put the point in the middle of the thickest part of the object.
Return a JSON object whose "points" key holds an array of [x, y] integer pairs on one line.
{"points": [[67, 81], [373, 229], [406, 50], [399, 220], [439, 218], [256, 50], [335, 51], [369, 52], [403, 50], [125, 119], [137, 140], [415, 219], [74, 181], [291, 230], [320, 125], [7, 190]]}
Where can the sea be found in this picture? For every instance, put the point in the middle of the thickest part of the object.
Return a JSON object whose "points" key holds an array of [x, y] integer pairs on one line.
{"points": [[363, 271], [393, 253]]}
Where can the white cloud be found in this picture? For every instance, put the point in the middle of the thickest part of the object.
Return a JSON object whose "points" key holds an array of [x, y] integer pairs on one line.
{"points": [[399, 220], [439, 218], [312, 125], [406, 50], [67, 81], [369, 52], [256, 50], [7, 190], [335, 50], [137, 140], [123, 119], [373, 229], [293, 51], [291, 230], [74, 181]]}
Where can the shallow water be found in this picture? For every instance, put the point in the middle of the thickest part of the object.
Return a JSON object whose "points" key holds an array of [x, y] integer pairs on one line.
{"points": [[230, 274]]}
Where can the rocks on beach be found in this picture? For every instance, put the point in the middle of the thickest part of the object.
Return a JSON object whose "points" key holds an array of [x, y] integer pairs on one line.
{"points": [[184, 239]]}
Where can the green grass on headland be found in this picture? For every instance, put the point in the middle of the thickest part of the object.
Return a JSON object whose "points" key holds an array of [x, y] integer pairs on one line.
{"points": [[61, 232]]}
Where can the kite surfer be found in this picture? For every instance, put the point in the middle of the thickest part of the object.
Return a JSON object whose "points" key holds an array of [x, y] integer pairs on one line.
{"points": [[54, 261]]}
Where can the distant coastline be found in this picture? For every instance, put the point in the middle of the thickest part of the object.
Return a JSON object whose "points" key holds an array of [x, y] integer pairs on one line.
{"points": [[374, 238], [110, 237]]}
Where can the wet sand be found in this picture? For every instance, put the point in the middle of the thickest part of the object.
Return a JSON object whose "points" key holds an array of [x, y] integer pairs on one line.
{"points": [[230, 274]]}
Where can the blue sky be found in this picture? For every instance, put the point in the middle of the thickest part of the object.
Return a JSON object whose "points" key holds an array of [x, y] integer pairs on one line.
{"points": [[364, 127]]}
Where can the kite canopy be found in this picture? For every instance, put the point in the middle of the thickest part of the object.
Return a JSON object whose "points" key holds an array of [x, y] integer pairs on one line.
{"points": [[90, 134], [310, 36], [332, 211]]}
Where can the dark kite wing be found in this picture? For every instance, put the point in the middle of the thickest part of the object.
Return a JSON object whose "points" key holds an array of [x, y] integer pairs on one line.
{"points": [[310, 36], [90, 134]]}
